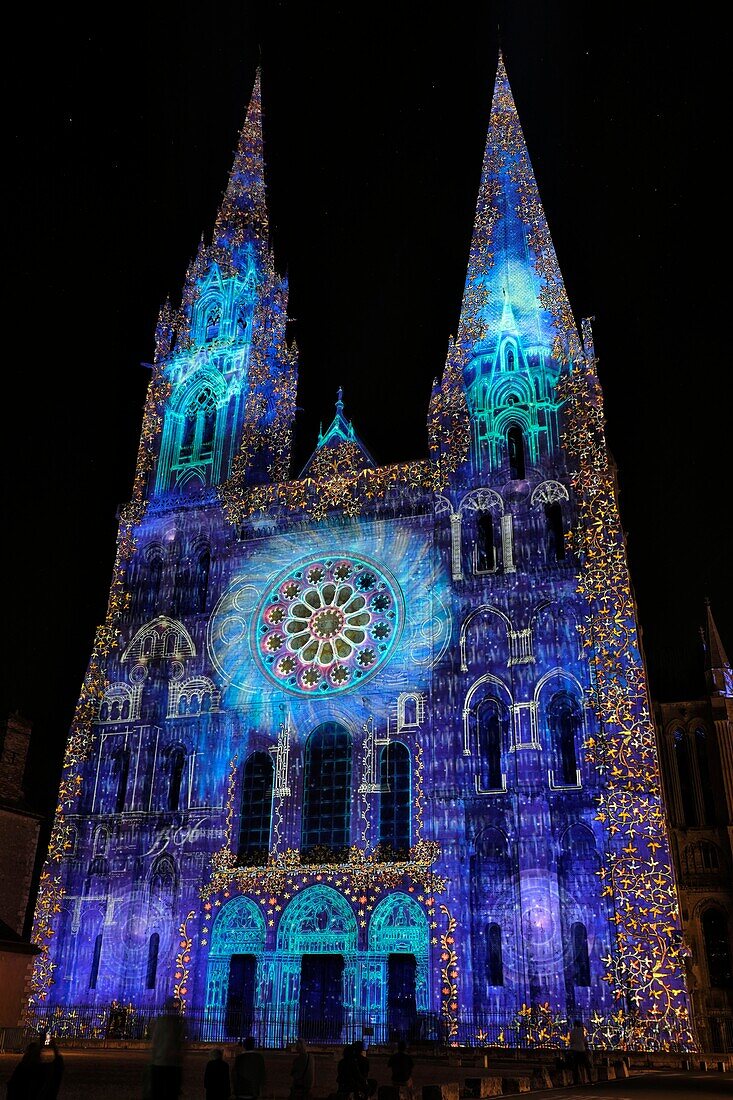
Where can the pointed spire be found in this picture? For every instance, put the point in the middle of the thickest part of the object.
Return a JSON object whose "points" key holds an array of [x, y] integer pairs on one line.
{"points": [[511, 248], [718, 672], [349, 453], [244, 207]]}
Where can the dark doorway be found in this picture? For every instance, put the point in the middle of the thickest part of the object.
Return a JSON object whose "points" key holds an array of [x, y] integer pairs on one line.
{"points": [[241, 996], [321, 998], [401, 1008]]}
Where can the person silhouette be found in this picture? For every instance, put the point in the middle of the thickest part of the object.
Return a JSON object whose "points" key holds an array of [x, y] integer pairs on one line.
{"points": [[27, 1079], [217, 1083]]}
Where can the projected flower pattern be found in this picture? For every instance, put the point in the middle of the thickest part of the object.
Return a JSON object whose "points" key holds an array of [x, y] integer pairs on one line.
{"points": [[328, 624]]}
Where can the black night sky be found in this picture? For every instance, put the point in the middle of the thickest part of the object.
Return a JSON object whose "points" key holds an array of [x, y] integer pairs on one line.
{"points": [[122, 126]]}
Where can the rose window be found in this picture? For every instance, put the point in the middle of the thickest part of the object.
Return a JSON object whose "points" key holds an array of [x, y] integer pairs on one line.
{"points": [[328, 625]]}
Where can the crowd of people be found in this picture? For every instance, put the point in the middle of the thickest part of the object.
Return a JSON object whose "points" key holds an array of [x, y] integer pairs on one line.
{"points": [[39, 1073]]}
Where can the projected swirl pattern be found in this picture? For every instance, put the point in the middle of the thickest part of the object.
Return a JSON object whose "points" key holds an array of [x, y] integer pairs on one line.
{"points": [[327, 625]]}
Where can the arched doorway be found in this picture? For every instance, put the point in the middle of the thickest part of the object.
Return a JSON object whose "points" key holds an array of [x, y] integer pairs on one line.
{"points": [[398, 968], [233, 976], [317, 941]]}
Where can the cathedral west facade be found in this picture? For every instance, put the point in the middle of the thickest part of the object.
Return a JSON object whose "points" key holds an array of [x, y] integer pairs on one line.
{"points": [[368, 750]]}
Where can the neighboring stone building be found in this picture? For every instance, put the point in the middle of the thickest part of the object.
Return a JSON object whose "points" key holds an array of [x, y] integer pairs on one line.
{"points": [[696, 753], [19, 829], [370, 747]]}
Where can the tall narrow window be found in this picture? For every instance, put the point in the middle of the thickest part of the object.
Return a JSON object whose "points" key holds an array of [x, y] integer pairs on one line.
{"points": [[555, 532], [213, 320], [203, 564], [717, 948], [684, 774], [510, 359], [327, 793], [494, 959], [189, 433], [563, 719], [256, 809], [515, 447], [155, 573], [96, 956], [122, 767], [207, 432], [152, 967], [485, 548], [409, 712], [394, 800], [176, 764], [493, 723], [580, 962], [706, 779]]}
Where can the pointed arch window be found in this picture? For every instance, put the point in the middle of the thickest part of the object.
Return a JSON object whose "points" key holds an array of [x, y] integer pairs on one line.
{"points": [[163, 879], [241, 323], [394, 800], [485, 561], [564, 722], [188, 435], [327, 793], [494, 958], [213, 321], [255, 809], [688, 805], [580, 962], [554, 532], [515, 449], [510, 361], [155, 574], [493, 727], [203, 565], [716, 937], [702, 748], [151, 971], [96, 957], [199, 428], [120, 768]]}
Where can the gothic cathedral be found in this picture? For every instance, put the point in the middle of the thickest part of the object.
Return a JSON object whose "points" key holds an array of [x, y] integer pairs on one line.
{"points": [[368, 750]]}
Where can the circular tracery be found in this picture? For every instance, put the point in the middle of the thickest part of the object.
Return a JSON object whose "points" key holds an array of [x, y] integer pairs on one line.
{"points": [[327, 625]]}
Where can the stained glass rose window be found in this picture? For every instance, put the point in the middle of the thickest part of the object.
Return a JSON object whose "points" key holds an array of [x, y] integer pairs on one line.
{"points": [[328, 624]]}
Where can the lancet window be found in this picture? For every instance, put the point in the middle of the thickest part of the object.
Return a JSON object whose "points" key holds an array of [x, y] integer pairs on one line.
{"points": [[327, 793], [255, 809]]}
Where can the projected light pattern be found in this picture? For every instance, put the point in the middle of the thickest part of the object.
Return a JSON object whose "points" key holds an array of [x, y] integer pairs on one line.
{"points": [[328, 624], [369, 748]]}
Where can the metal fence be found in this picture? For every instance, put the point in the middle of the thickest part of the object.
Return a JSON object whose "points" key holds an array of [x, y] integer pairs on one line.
{"points": [[272, 1027]]}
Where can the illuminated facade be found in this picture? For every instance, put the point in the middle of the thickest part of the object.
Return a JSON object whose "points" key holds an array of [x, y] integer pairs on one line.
{"points": [[371, 746]]}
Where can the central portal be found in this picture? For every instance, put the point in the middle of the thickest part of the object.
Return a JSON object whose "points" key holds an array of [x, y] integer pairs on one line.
{"points": [[321, 1006]]}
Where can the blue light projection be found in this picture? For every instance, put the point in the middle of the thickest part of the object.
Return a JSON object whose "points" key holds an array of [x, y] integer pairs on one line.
{"points": [[370, 747]]}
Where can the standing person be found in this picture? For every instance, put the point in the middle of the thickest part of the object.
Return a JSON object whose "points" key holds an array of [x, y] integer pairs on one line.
{"points": [[167, 1041], [401, 1065], [580, 1060], [367, 1084], [249, 1073], [27, 1078], [303, 1072], [216, 1078]]}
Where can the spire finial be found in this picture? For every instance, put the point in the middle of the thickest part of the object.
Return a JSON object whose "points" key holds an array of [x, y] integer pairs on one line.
{"points": [[340, 400]]}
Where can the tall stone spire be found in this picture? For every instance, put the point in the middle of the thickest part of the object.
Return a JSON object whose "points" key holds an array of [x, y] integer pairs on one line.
{"points": [[243, 211], [718, 672], [512, 268]]}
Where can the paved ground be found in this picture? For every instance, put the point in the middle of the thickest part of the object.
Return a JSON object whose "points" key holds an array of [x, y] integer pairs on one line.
{"points": [[117, 1075]]}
